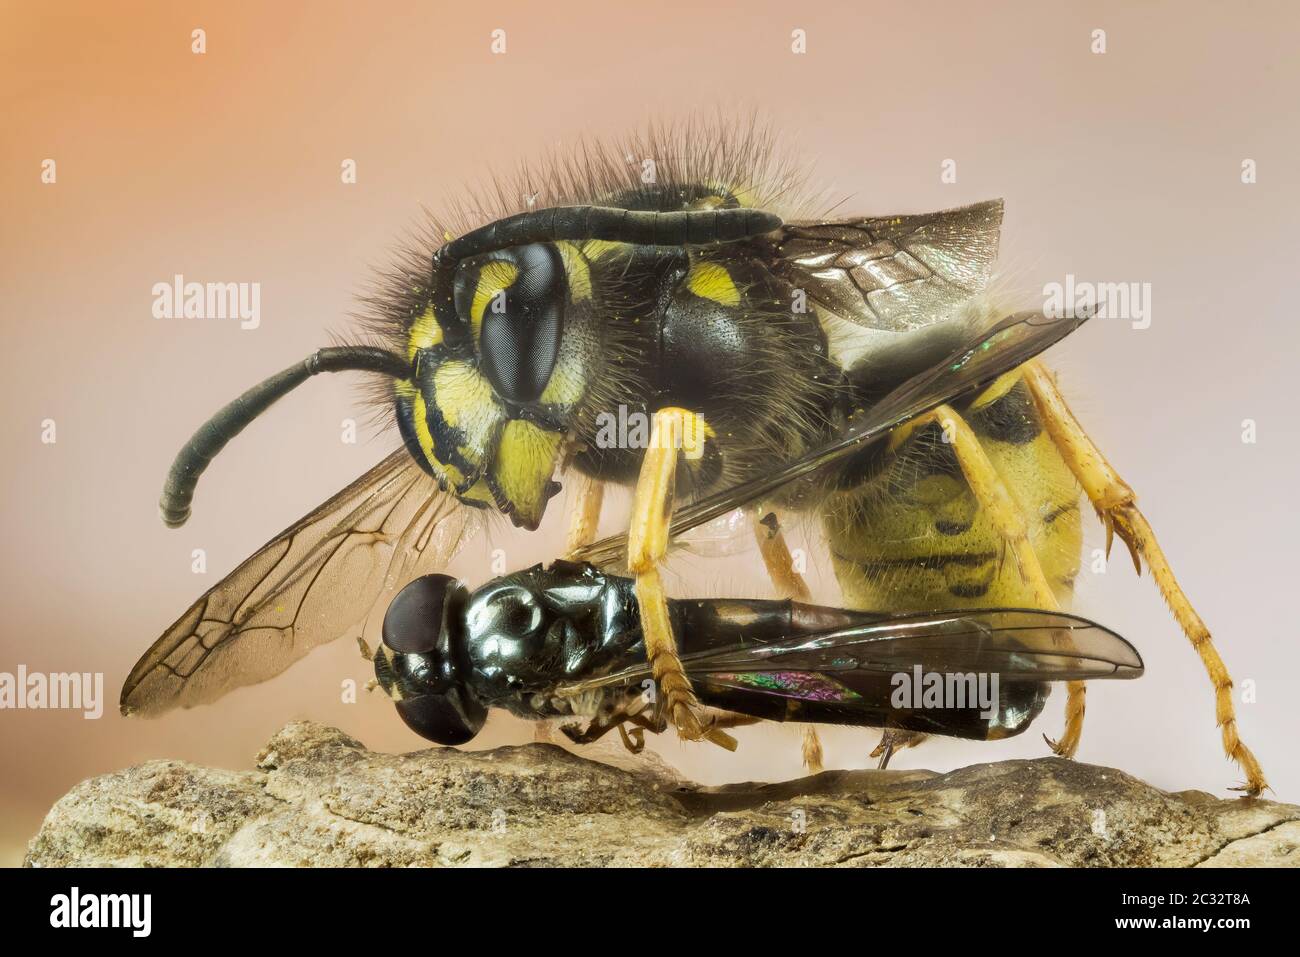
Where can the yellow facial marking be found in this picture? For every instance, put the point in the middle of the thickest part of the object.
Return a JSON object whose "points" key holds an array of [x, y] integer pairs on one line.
{"points": [[711, 281], [466, 402], [425, 438], [524, 463], [479, 490], [422, 435], [577, 270], [495, 277], [425, 333], [464, 398]]}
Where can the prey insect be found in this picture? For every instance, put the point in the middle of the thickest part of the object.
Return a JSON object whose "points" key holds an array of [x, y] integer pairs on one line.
{"points": [[854, 370], [566, 640]]}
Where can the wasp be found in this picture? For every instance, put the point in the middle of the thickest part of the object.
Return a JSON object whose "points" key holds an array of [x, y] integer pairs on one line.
{"points": [[855, 370]]}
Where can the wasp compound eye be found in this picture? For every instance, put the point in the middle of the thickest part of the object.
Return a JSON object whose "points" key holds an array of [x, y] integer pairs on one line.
{"points": [[451, 718], [414, 621], [513, 300]]}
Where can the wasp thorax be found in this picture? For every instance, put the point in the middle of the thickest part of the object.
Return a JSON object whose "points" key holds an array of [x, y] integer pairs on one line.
{"points": [[513, 302]]}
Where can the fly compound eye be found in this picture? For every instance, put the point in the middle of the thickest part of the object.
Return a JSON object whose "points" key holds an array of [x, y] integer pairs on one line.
{"points": [[513, 301], [451, 718], [415, 619]]}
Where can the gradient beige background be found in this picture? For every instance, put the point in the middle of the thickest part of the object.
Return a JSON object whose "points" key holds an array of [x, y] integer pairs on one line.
{"points": [[225, 167]]}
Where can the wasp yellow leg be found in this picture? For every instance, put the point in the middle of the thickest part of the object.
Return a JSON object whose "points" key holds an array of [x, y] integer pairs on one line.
{"points": [[647, 544], [585, 515], [1116, 506], [993, 497], [788, 583], [1007, 517]]}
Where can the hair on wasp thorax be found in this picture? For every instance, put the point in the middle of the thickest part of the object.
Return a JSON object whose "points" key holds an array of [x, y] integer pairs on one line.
{"points": [[492, 451]]}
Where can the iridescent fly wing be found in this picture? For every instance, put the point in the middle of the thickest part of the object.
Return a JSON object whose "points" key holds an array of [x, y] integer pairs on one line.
{"points": [[892, 273], [320, 579], [800, 685], [1015, 643]]}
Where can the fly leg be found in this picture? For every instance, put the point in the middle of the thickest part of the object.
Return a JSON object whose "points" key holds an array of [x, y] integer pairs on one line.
{"points": [[1008, 518], [633, 740], [583, 519], [894, 740], [786, 580], [596, 729], [729, 719], [1116, 506], [788, 583], [811, 750], [647, 544], [630, 710]]}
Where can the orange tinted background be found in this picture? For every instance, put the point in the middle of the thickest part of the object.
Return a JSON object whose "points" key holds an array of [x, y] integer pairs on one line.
{"points": [[225, 167]]}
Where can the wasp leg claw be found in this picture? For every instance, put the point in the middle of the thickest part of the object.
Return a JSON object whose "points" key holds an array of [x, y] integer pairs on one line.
{"points": [[1116, 506]]}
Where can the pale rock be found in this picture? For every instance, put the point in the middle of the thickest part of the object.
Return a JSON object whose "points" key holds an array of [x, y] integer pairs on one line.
{"points": [[320, 798]]}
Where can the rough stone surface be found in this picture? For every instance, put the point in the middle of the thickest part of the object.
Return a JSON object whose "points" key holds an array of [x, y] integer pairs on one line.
{"points": [[319, 797]]}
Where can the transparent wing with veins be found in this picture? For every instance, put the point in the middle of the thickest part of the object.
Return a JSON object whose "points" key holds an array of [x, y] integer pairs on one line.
{"points": [[330, 574]]}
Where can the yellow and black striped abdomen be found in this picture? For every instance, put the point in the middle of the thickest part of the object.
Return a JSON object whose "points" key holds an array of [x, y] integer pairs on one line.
{"points": [[908, 534]]}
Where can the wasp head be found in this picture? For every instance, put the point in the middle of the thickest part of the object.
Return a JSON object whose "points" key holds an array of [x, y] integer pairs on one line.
{"points": [[500, 363]]}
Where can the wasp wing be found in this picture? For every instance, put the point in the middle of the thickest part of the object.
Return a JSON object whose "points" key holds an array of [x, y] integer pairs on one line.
{"points": [[316, 581], [1014, 643], [892, 273]]}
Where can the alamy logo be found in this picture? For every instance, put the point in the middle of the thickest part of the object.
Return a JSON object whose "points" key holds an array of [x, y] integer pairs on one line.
{"points": [[1106, 300], [59, 690], [179, 299], [918, 688], [633, 430], [75, 909]]}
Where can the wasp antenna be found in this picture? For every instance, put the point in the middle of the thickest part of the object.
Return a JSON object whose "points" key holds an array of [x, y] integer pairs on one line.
{"points": [[698, 227], [212, 436]]}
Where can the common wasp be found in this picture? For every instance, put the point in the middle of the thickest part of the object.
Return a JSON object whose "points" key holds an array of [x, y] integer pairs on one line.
{"points": [[853, 369]]}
